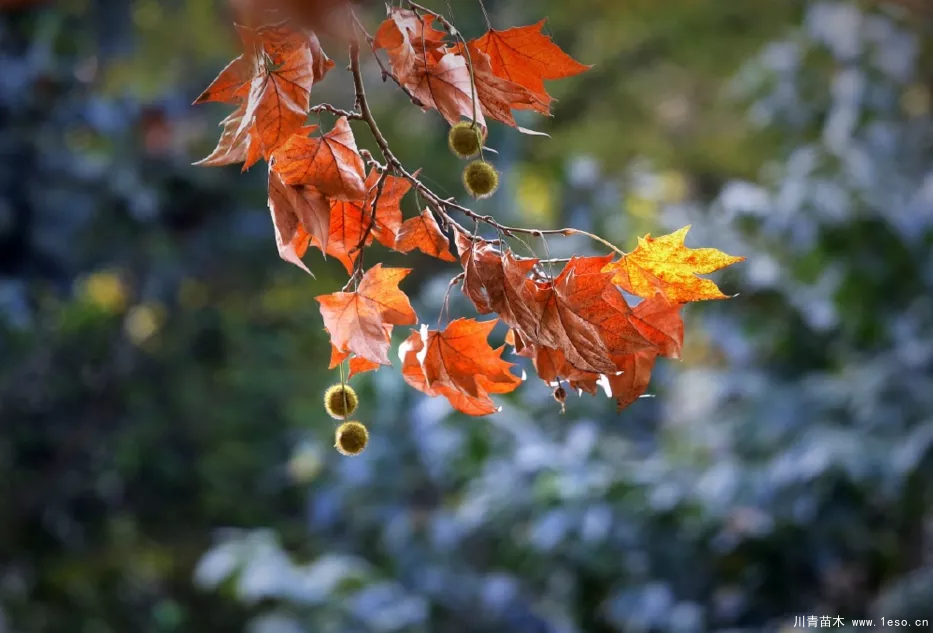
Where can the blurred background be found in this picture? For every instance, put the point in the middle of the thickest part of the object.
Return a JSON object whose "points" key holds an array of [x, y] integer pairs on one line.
{"points": [[165, 462]]}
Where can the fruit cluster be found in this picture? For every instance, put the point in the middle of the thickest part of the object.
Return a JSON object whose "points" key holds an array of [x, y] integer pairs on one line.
{"points": [[479, 178], [340, 401]]}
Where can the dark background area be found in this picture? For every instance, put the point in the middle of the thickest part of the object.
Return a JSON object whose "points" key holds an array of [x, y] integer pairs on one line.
{"points": [[165, 461]]}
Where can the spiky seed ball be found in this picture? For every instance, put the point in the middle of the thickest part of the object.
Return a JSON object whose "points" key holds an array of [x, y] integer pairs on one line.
{"points": [[465, 139], [480, 179], [351, 438], [340, 401]]}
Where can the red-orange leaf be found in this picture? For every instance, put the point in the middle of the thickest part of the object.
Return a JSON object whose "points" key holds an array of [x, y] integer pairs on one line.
{"points": [[357, 320], [499, 96], [495, 282], [446, 86], [388, 208], [406, 37], [297, 213], [234, 144], [666, 265], [632, 382], [458, 364], [423, 233], [357, 365], [590, 294], [659, 321], [459, 357], [332, 163], [279, 99], [227, 87], [349, 221], [527, 57], [413, 374]]}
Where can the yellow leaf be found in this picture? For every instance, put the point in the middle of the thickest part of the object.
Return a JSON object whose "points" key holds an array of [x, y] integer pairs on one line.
{"points": [[666, 265]]}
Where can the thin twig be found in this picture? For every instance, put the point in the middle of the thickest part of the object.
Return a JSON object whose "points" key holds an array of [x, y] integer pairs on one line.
{"points": [[326, 107], [445, 306], [380, 185]]}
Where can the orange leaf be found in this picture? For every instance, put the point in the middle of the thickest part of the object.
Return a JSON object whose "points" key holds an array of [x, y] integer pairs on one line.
{"points": [[446, 86], [589, 294], [423, 233], [234, 143], [405, 36], [460, 358], [499, 96], [550, 363], [357, 365], [413, 374], [659, 321], [226, 88], [495, 282], [666, 265], [458, 364], [331, 163], [632, 383], [388, 209], [349, 221], [297, 214], [271, 81], [357, 320], [279, 99], [527, 57], [560, 327]]}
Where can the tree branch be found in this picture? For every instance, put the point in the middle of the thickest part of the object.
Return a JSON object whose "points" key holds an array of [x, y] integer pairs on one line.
{"points": [[439, 205]]}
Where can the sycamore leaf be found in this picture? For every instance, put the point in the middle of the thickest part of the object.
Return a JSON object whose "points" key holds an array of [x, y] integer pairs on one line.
{"points": [[423, 233], [406, 37], [459, 357], [495, 282], [322, 64], [295, 208], [561, 328], [632, 381], [228, 86], [357, 365], [666, 265], [271, 82], [332, 163], [388, 209], [446, 86], [234, 143], [280, 41], [589, 294], [527, 57], [659, 321], [544, 312], [349, 221], [550, 364], [413, 374], [356, 321], [279, 98], [499, 96], [459, 365]]}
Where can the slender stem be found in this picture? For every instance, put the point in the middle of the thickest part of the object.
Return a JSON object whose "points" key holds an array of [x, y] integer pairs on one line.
{"points": [[485, 15], [380, 185], [445, 306], [326, 107]]}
